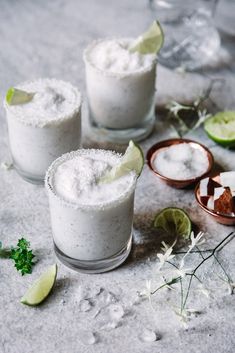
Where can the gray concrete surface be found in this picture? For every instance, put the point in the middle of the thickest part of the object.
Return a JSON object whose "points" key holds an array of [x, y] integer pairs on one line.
{"points": [[46, 38]]}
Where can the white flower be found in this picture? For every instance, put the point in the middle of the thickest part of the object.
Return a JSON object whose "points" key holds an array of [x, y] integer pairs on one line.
{"points": [[196, 241], [175, 107], [147, 291], [203, 290], [166, 256]]}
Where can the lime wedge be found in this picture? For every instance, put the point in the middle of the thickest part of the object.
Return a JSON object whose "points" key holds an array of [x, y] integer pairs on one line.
{"points": [[174, 222], [149, 42], [133, 160], [41, 287], [221, 128], [16, 96]]}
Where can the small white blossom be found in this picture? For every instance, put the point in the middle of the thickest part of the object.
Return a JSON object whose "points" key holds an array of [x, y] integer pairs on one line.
{"points": [[147, 291], [167, 256], [202, 116]]}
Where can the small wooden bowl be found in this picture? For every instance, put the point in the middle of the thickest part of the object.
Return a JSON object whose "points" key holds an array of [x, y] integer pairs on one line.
{"points": [[179, 184], [220, 218]]}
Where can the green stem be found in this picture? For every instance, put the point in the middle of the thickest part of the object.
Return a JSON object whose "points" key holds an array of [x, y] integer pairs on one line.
{"points": [[202, 262]]}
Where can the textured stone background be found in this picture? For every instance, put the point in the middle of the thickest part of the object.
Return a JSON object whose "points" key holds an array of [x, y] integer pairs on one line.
{"points": [[46, 38]]}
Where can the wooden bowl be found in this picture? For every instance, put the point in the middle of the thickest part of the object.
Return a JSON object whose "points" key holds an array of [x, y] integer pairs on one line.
{"points": [[179, 184], [218, 217]]}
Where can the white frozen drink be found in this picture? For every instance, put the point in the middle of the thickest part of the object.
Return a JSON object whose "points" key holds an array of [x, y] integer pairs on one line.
{"points": [[91, 221], [45, 127], [120, 89]]}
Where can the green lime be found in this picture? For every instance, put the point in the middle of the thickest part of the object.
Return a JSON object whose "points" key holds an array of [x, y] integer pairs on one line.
{"points": [[149, 42], [16, 96], [133, 160], [174, 221], [221, 128], [41, 288]]}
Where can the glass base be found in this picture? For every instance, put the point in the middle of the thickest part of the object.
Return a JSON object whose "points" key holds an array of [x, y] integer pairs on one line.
{"points": [[33, 179], [96, 266], [137, 133]]}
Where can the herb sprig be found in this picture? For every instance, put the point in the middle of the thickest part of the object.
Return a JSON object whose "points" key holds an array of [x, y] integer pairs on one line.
{"points": [[187, 117], [22, 256]]}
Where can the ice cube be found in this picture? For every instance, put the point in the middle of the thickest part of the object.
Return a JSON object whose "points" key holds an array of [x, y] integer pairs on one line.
{"points": [[149, 336]]}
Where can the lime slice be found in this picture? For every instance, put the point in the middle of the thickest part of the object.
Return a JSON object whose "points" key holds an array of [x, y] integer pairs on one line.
{"points": [[133, 160], [174, 222], [41, 287], [149, 42], [221, 128], [16, 96]]}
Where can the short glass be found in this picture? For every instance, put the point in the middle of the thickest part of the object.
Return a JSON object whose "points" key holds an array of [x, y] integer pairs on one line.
{"points": [[90, 238], [121, 105], [35, 144]]}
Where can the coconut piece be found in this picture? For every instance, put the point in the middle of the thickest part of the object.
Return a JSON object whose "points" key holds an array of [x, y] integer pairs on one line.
{"points": [[223, 200], [228, 179], [207, 187], [210, 203]]}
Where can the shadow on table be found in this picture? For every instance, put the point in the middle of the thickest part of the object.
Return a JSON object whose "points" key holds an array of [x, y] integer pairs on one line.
{"points": [[147, 240]]}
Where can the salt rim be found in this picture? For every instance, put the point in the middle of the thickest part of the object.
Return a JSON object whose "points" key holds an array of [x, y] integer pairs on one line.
{"points": [[140, 71], [18, 114], [70, 155]]}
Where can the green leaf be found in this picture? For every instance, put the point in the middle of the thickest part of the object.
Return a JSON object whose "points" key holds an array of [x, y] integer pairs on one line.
{"points": [[22, 256]]}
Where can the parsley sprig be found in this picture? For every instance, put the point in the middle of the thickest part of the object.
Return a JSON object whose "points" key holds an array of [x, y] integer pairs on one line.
{"points": [[21, 255]]}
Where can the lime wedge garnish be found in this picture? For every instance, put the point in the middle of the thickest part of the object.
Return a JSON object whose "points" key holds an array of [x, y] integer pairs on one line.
{"points": [[221, 128], [133, 160], [174, 222], [16, 96], [41, 287], [149, 42]]}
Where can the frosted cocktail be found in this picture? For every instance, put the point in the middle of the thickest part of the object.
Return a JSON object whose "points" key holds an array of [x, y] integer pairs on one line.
{"points": [[120, 89], [91, 217], [44, 127]]}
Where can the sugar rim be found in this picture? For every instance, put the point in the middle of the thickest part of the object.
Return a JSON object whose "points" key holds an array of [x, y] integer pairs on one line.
{"points": [[86, 59], [60, 117], [49, 182]]}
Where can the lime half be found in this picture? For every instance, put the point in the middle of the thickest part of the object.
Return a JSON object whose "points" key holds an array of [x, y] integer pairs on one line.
{"points": [[221, 128], [133, 160], [149, 42], [174, 222], [41, 287], [16, 96]]}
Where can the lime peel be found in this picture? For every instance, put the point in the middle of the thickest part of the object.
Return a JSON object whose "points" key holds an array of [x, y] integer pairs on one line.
{"points": [[174, 221], [41, 288], [133, 160], [221, 128], [17, 96], [149, 42]]}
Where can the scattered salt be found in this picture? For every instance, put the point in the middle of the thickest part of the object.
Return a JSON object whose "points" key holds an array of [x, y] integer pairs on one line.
{"points": [[181, 162]]}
